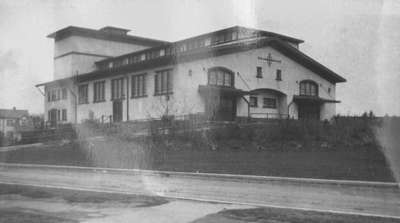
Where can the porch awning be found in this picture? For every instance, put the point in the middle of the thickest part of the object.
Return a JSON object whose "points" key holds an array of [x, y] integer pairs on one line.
{"points": [[312, 99], [221, 90]]}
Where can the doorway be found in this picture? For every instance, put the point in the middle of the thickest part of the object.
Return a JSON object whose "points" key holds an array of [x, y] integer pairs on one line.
{"points": [[221, 108], [309, 111], [117, 110]]}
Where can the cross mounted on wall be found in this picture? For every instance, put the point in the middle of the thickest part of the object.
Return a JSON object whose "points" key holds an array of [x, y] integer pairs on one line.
{"points": [[269, 59]]}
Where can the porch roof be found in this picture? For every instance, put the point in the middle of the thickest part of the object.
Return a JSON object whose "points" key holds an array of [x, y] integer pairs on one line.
{"points": [[312, 99], [210, 89]]}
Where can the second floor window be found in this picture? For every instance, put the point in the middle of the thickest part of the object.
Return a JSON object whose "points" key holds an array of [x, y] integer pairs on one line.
{"points": [[138, 85], [117, 88], [278, 75], [220, 77], [163, 82], [99, 91], [308, 88], [259, 72], [83, 94], [64, 93]]}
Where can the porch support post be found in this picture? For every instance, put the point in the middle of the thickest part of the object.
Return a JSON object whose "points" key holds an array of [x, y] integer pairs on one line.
{"points": [[248, 107]]}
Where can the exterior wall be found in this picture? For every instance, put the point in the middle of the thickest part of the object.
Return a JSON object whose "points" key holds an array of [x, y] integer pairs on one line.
{"points": [[68, 103], [260, 111], [98, 109], [187, 100], [68, 65], [244, 65]]}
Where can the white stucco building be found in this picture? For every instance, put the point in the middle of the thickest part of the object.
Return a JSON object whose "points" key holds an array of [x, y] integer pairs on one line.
{"points": [[232, 73]]}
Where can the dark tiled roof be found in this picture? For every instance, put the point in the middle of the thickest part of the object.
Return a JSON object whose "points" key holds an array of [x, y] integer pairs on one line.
{"points": [[13, 114]]}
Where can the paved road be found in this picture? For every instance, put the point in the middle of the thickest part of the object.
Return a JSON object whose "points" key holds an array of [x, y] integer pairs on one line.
{"points": [[333, 196]]}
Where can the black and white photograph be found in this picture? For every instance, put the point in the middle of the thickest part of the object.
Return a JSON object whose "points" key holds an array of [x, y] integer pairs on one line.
{"points": [[199, 111]]}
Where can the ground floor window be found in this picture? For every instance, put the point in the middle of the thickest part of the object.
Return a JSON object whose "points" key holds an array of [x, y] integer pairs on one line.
{"points": [[163, 82], [269, 103], [83, 94], [64, 114], [138, 85], [10, 122], [99, 91], [117, 89], [253, 101]]}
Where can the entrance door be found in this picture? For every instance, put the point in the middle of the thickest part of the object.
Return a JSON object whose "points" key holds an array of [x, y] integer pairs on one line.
{"points": [[53, 117], [221, 108], [309, 111], [117, 110]]}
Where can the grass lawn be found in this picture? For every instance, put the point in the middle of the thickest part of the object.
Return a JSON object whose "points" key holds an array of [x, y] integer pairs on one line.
{"points": [[348, 164], [276, 215]]}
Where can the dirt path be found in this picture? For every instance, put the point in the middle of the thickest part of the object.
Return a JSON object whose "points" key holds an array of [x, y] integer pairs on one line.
{"points": [[333, 196]]}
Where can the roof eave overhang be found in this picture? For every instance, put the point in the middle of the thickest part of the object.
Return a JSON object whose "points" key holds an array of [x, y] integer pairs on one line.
{"points": [[306, 61], [313, 99], [279, 45]]}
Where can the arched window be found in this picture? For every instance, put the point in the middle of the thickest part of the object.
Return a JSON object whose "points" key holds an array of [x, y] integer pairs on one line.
{"points": [[308, 88], [220, 76]]}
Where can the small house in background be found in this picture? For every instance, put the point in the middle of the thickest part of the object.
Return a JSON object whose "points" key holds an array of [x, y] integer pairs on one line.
{"points": [[11, 122]]}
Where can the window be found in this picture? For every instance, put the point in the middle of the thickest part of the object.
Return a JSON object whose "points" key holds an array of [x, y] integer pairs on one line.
{"points": [[269, 103], [308, 88], [58, 94], [53, 95], [64, 114], [220, 77], [10, 122], [207, 41], [138, 85], [48, 95], [162, 52], [234, 35], [163, 82], [259, 72], [253, 101], [83, 94], [64, 93], [98, 91], [117, 89], [182, 47], [278, 75], [58, 115]]}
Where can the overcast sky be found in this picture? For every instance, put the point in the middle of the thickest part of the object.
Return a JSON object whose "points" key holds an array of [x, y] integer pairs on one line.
{"points": [[358, 39]]}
